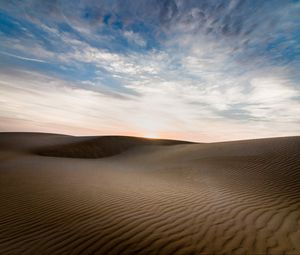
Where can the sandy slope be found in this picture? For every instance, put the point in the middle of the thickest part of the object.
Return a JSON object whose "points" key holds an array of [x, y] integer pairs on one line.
{"points": [[150, 197]]}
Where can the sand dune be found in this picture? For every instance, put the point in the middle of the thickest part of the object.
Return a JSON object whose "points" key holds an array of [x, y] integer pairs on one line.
{"points": [[63, 195], [98, 147]]}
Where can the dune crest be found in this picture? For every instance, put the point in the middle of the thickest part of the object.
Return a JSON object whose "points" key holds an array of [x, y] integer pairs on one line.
{"points": [[99, 147]]}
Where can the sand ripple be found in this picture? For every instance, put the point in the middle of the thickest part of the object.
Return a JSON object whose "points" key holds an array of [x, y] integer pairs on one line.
{"points": [[221, 198]]}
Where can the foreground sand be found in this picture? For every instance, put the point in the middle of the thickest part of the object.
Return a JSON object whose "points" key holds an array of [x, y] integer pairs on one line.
{"points": [[148, 197]]}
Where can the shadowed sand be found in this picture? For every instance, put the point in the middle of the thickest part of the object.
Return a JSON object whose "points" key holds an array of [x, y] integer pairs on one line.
{"points": [[123, 195]]}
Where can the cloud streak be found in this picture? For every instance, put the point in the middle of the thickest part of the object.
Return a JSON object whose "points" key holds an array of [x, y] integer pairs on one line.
{"points": [[22, 58]]}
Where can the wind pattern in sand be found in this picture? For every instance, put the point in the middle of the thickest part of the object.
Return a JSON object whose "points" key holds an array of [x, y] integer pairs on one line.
{"points": [[221, 198]]}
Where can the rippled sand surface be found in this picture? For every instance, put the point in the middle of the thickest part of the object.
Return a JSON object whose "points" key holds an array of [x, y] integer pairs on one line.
{"points": [[122, 195]]}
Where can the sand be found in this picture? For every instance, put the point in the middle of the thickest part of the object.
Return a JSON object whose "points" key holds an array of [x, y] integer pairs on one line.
{"points": [[121, 195]]}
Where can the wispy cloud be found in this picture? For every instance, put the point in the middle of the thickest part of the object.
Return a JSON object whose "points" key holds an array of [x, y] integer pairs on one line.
{"points": [[22, 58], [135, 38]]}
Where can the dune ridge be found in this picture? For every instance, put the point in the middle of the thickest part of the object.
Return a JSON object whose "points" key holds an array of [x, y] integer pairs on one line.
{"points": [[238, 197], [104, 146]]}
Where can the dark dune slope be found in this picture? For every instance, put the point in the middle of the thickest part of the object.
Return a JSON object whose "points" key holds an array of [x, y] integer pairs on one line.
{"points": [[98, 147]]}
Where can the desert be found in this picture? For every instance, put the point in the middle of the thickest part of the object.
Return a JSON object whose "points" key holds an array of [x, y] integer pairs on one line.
{"points": [[126, 195]]}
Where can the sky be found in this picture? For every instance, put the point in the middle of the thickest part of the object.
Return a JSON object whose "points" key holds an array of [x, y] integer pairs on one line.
{"points": [[199, 70]]}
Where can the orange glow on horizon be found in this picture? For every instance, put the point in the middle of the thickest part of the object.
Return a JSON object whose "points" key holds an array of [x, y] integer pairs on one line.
{"points": [[152, 136]]}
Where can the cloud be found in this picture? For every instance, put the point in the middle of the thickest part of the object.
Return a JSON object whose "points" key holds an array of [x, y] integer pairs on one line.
{"points": [[135, 38], [210, 69], [22, 58], [30, 96], [274, 99], [47, 102]]}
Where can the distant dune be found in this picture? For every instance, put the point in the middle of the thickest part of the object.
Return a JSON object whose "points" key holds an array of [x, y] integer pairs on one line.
{"points": [[127, 195], [99, 147]]}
